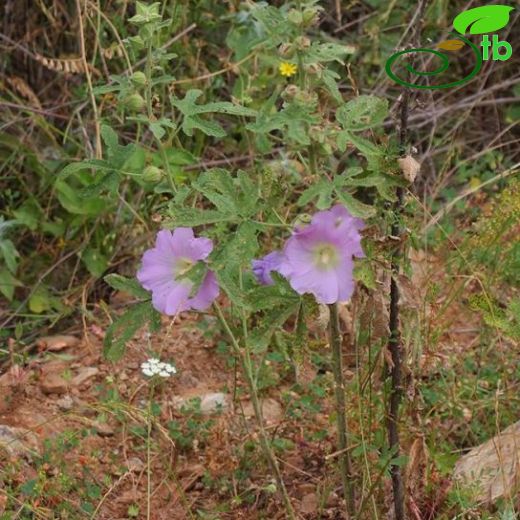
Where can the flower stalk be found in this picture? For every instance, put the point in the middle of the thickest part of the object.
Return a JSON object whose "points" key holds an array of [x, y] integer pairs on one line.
{"points": [[247, 365], [345, 463]]}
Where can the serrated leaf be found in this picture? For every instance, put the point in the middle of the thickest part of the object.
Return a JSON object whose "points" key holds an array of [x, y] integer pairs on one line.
{"points": [[322, 190], [127, 285], [192, 217], [190, 110], [76, 167], [274, 319], [367, 148], [211, 128], [364, 273], [124, 328], [229, 283], [238, 251], [325, 52], [355, 207], [329, 78], [267, 296], [484, 19], [109, 137], [362, 112], [231, 196]]}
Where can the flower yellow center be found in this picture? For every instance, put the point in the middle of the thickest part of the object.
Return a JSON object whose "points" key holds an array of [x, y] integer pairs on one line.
{"points": [[182, 266], [325, 256]]}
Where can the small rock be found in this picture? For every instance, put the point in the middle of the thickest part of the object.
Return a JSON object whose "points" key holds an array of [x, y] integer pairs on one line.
{"points": [[18, 441], [103, 429], [66, 403], [304, 489], [209, 403], [53, 383], [57, 343], [491, 469], [271, 410], [84, 374], [186, 379], [135, 465], [309, 504]]}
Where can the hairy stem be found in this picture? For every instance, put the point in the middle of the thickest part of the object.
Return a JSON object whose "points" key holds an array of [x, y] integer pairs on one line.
{"points": [[151, 117], [247, 365], [345, 463], [394, 341]]}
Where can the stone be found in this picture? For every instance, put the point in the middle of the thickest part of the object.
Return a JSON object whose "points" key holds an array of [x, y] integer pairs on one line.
{"points": [[135, 465], [271, 410], [309, 504], [103, 429], [492, 470], [18, 441], [66, 403], [210, 403], [84, 374], [57, 342], [53, 383]]}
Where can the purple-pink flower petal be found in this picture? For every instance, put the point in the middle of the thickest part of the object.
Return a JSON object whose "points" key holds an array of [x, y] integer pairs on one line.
{"points": [[263, 267], [174, 253], [318, 258]]}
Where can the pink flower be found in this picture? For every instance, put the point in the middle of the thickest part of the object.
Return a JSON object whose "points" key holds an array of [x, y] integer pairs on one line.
{"points": [[173, 255], [319, 257]]}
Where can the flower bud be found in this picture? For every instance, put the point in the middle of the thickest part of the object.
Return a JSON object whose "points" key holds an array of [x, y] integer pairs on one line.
{"points": [[152, 174], [310, 15], [286, 50], [302, 42], [295, 17], [134, 102], [138, 78]]}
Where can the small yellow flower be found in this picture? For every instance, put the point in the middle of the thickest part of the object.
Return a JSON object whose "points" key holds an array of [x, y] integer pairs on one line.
{"points": [[287, 69]]}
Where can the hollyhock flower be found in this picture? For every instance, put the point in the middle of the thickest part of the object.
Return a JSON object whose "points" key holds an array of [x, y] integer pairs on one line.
{"points": [[173, 255], [318, 258], [263, 268]]}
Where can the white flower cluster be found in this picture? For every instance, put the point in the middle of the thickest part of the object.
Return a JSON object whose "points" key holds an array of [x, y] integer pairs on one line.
{"points": [[154, 367]]}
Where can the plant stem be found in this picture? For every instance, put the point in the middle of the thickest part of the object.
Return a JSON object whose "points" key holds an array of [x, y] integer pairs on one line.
{"points": [[394, 341], [345, 463], [245, 357], [151, 117], [148, 456]]}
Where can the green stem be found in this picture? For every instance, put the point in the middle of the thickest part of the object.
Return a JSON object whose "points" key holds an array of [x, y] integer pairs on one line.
{"points": [[148, 457], [345, 463], [151, 117], [245, 357]]}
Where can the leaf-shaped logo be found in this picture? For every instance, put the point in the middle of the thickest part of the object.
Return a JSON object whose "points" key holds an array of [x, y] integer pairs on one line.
{"points": [[450, 45], [480, 20]]}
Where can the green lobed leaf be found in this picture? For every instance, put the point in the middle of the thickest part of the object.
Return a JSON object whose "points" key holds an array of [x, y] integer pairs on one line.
{"points": [[362, 112], [127, 285], [124, 328]]}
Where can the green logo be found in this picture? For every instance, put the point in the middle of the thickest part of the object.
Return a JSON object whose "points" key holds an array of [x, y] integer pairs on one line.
{"points": [[480, 20]]}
